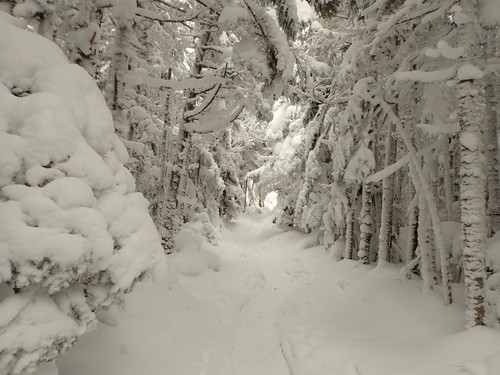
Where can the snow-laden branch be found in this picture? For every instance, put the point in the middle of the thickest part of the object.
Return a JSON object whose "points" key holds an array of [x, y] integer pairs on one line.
{"points": [[445, 50], [389, 170], [274, 37], [204, 105], [142, 78], [405, 15], [427, 77], [440, 128], [209, 122]]}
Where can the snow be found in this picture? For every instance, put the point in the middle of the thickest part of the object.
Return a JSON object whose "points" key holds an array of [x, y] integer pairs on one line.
{"points": [[271, 200], [439, 128], [214, 120], [468, 71], [247, 53], [123, 8], [489, 12], [470, 141], [281, 305], [493, 252], [445, 50], [305, 12], [252, 51], [86, 37], [420, 76], [402, 161], [192, 256], [458, 16], [27, 9], [277, 124], [232, 17], [74, 236]]}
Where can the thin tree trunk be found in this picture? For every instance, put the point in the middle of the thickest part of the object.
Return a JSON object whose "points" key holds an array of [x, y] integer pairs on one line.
{"points": [[349, 231], [117, 72], [426, 190], [180, 172], [385, 236], [167, 204], [85, 54], [366, 225], [184, 139], [447, 178], [411, 250]]}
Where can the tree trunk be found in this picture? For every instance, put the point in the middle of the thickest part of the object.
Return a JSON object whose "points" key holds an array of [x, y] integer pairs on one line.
{"points": [[85, 54], [385, 236], [491, 138], [472, 187], [349, 230], [411, 250], [117, 72], [180, 171], [366, 225], [447, 178], [185, 143], [167, 202], [422, 180], [428, 269]]}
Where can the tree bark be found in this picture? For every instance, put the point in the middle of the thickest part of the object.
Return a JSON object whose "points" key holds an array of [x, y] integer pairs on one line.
{"points": [[167, 202], [366, 225], [425, 246], [117, 72], [349, 231], [411, 250], [491, 138], [472, 186], [385, 236]]}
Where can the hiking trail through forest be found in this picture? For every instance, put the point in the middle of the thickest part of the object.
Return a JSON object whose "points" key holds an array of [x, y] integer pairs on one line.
{"points": [[279, 305]]}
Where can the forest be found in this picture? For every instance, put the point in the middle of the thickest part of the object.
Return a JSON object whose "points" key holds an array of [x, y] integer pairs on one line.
{"points": [[138, 138]]}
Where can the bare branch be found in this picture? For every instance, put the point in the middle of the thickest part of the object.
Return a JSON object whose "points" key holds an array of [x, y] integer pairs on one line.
{"points": [[207, 102]]}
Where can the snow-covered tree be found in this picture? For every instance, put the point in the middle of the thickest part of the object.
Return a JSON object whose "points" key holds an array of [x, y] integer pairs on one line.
{"points": [[74, 236]]}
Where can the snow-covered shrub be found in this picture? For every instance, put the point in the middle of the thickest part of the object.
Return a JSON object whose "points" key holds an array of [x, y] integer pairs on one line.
{"points": [[190, 257], [210, 232], [74, 236], [337, 249]]}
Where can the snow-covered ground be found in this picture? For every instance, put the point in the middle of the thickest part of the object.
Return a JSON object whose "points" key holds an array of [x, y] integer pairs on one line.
{"points": [[280, 306]]}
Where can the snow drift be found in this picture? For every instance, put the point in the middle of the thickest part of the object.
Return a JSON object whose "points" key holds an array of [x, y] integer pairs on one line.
{"points": [[74, 236]]}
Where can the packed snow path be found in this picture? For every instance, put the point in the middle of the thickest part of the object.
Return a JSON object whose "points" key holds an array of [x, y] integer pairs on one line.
{"points": [[280, 306]]}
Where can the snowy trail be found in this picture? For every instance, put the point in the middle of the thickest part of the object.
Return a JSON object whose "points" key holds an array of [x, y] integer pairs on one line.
{"points": [[281, 306], [256, 347], [229, 322]]}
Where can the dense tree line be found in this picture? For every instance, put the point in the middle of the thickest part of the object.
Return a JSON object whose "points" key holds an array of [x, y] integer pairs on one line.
{"points": [[400, 144]]}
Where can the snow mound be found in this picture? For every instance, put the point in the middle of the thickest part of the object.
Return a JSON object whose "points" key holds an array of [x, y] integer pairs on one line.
{"points": [[74, 236], [190, 258]]}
